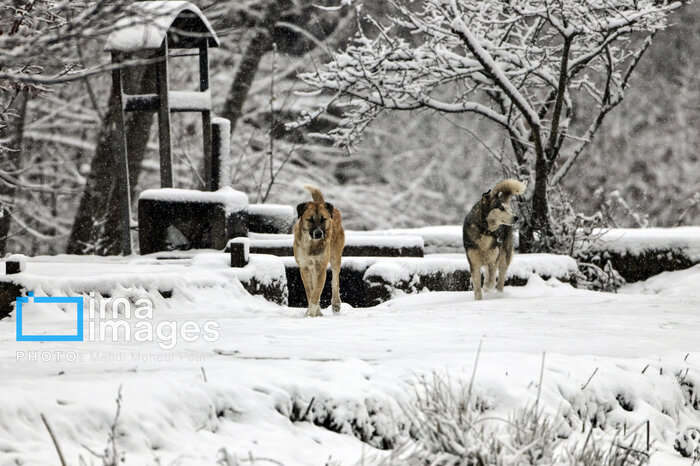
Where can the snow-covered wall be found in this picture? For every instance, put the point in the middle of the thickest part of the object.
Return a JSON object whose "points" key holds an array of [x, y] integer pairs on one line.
{"points": [[640, 253]]}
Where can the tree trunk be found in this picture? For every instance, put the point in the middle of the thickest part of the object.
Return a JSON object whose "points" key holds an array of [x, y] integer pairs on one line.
{"points": [[536, 233], [259, 45], [11, 159], [97, 228]]}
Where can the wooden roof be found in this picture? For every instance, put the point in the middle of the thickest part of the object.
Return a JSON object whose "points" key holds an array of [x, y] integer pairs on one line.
{"points": [[146, 24]]}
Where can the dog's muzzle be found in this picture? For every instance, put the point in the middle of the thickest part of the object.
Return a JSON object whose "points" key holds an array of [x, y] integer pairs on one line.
{"points": [[317, 234]]}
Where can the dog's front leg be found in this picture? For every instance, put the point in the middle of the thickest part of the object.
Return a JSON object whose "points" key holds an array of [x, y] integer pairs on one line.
{"points": [[319, 281], [307, 280], [490, 281], [475, 271], [502, 267]]}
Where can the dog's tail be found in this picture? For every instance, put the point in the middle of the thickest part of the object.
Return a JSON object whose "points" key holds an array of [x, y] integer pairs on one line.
{"points": [[508, 188], [315, 193]]}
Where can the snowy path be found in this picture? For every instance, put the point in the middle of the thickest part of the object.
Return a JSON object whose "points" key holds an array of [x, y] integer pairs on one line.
{"points": [[270, 361]]}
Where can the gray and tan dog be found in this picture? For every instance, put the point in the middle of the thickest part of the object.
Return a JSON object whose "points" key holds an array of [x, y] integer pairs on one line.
{"points": [[488, 235], [319, 238]]}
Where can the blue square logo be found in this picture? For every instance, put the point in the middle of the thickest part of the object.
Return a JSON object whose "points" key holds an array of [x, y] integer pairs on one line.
{"points": [[78, 301]]}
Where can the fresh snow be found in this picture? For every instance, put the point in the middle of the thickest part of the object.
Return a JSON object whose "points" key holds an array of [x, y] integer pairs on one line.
{"points": [[398, 269], [436, 239], [351, 239], [190, 100], [637, 240], [276, 210], [233, 201], [681, 285], [605, 354]]}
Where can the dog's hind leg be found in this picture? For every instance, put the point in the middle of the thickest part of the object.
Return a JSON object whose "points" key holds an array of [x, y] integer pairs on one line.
{"points": [[475, 271]]}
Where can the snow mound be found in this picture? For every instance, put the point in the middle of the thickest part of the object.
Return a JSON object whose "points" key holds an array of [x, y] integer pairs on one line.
{"points": [[681, 284]]}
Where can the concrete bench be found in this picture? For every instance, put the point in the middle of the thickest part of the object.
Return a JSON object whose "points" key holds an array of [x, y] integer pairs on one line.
{"points": [[182, 219]]}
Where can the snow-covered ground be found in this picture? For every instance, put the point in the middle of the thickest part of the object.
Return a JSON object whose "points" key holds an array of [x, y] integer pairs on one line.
{"points": [[611, 359]]}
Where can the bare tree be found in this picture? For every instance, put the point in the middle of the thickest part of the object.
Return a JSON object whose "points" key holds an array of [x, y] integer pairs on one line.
{"points": [[39, 48], [97, 226], [526, 66]]}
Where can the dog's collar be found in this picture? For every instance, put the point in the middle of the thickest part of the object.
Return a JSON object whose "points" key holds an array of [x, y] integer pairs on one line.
{"points": [[496, 237]]}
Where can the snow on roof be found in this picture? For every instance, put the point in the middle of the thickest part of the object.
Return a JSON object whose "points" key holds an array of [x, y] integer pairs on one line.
{"points": [[146, 23]]}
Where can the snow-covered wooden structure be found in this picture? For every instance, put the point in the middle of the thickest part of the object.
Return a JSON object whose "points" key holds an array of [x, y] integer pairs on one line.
{"points": [[159, 26]]}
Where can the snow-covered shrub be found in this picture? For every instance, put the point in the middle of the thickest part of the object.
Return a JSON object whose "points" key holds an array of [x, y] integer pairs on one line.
{"points": [[574, 234], [571, 231], [450, 424], [688, 444], [615, 452], [111, 455], [604, 278], [372, 420]]}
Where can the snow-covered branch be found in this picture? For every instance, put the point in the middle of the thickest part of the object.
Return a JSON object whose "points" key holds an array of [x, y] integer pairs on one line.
{"points": [[522, 64]]}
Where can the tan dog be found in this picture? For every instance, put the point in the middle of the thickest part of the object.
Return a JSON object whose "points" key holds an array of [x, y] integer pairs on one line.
{"points": [[488, 235], [318, 239]]}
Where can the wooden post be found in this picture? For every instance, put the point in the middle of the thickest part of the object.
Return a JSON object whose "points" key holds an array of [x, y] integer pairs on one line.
{"points": [[240, 251], [220, 140], [164, 146], [121, 159], [206, 115], [16, 263]]}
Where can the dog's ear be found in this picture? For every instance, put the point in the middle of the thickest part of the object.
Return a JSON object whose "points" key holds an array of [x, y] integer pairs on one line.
{"points": [[329, 207], [486, 196], [301, 208]]}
